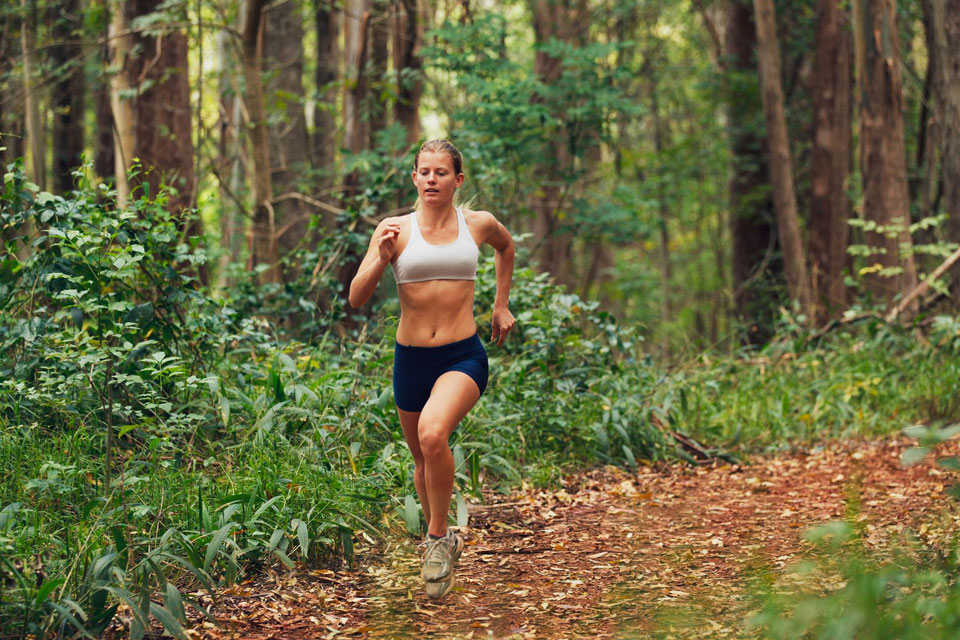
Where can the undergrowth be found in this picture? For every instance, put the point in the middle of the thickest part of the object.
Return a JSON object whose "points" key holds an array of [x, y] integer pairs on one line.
{"points": [[156, 439]]}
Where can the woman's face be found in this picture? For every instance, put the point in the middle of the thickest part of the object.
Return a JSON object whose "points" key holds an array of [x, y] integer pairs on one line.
{"points": [[435, 178]]}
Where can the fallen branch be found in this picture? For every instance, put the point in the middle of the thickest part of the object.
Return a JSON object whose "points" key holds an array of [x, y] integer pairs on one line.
{"points": [[922, 287], [517, 550]]}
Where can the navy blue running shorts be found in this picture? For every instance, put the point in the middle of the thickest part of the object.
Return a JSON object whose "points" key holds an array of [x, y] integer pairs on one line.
{"points": [[416, 369]]}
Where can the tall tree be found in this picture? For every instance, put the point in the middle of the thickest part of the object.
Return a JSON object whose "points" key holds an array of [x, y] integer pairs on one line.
{"points": [[11, 86], [324, 114], [162, 116], [31, 92], [120, 41], [562, 20], [262, 234], [886, 200], [231, 165], [944, 25], [408, 33], [289, 144], [68, 92], [751, 209], [831, 160], [781, 165]]}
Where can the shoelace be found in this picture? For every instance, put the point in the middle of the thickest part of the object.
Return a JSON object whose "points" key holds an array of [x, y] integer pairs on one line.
{"points": [[437, 551]]}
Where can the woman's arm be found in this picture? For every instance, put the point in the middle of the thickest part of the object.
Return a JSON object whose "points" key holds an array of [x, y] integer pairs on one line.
{"points": [[499, 238], [380, 252]]}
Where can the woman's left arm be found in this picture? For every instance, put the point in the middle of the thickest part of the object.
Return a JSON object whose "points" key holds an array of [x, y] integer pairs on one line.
{"points": [[497, 236]]}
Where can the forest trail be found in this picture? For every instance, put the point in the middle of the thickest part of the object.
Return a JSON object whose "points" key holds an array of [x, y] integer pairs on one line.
{"points": [[667, 550]]}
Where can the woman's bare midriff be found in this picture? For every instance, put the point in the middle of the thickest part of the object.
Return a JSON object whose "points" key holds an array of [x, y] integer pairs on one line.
{"points": [[435, 312]]}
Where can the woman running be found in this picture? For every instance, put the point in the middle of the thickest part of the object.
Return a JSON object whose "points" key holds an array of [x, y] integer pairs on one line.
{"points": [[440, 365]]}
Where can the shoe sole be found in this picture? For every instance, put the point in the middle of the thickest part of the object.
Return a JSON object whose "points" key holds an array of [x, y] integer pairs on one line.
{"points": [[444, 587]]}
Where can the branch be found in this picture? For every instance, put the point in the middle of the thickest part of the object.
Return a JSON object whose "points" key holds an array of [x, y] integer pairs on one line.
{"points": [[922, 287]]}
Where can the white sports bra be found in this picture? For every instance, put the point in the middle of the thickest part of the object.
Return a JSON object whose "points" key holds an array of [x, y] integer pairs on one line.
{"points": [[421, 261]]}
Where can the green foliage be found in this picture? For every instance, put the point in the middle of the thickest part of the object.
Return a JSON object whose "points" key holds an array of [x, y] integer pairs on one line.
{"points": [[915, 596]]}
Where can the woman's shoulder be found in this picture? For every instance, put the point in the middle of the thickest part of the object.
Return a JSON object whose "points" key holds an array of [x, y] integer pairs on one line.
{"points": [[478, 217]]}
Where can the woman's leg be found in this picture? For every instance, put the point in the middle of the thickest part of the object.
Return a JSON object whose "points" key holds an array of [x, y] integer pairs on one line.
{"points": [[453, 395], [409, 421]]}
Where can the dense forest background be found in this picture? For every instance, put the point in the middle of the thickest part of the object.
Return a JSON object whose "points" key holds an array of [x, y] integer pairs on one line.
{"points": [[737, 232], [636, 145]]}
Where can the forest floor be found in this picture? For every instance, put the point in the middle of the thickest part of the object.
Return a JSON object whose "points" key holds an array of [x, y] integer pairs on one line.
{"points": [[668, 551]]}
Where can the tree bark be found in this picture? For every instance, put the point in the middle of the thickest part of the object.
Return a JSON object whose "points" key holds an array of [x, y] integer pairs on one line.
{"points": [[34, 127], [379, 39], [945, 26], [831, 161], [289, 152], [408, 34], [162, 122], [121, 43], [231, 171], [781, 166], [324, 114], [560, 19], [882, 154], [751, 209], [261, 236], [11, 93], [68, 94]]}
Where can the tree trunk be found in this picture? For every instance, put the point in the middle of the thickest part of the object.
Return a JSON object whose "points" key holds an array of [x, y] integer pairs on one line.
{"points": [[663, 208], [162, 122], [324, 115], [751, 215], [104, 160], [945, 23], [882, 153], [11, 94], [230, 165], [121, 44], [289, 152], [34, 128], [831, 161], [781, 166], [377, 35], [560, 19], [408, 33], [68, 93], [262, 236]]}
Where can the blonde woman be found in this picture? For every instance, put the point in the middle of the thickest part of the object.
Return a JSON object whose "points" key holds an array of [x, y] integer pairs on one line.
{"points": [[440, 365]]}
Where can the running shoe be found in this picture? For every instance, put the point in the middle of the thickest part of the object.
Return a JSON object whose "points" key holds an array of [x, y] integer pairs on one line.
{"points": [[440, 556]]}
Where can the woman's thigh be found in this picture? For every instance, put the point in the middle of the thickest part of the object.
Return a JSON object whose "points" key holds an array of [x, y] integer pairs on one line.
{"points": [[453, 395]]}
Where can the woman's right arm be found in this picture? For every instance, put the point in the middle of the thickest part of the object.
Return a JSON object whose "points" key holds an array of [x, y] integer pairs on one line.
{"points": [[380, 252]]}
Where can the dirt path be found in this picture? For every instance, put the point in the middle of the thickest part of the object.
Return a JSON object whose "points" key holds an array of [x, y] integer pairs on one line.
{"points": [[664, 550]]}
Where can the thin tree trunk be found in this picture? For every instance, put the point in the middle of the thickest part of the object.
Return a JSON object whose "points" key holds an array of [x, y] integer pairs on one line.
{"points": [[945, 23], [882, 152], [121, 44], [662, 206], [31, 92], [262, 236], [11, 99], [408, 33], [68, 94], [289, 152], [324, 115], [378, 38], [781, 166], [831, 161], [751, 216], [230, 165]]}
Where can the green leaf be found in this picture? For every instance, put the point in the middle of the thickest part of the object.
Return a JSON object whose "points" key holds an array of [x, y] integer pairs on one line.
{"points": [[462, 514], [169, 621], [411, 515], [913, 455], [71, 619], [302, 537], [45, 590], [952, 463], [215, 544]]}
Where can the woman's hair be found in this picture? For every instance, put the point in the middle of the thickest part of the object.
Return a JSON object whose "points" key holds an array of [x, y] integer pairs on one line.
{"points": [[441, 146]]}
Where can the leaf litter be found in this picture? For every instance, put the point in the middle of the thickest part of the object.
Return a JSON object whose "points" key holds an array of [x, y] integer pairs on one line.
{"points": [[667, 550]]}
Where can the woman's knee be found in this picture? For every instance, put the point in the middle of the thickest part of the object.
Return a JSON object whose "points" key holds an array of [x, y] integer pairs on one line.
{"points": [[433, 439]]}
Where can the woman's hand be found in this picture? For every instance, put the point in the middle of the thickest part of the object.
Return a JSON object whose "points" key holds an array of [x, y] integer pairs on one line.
{"points": [[387, 241], [501, 323]]}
